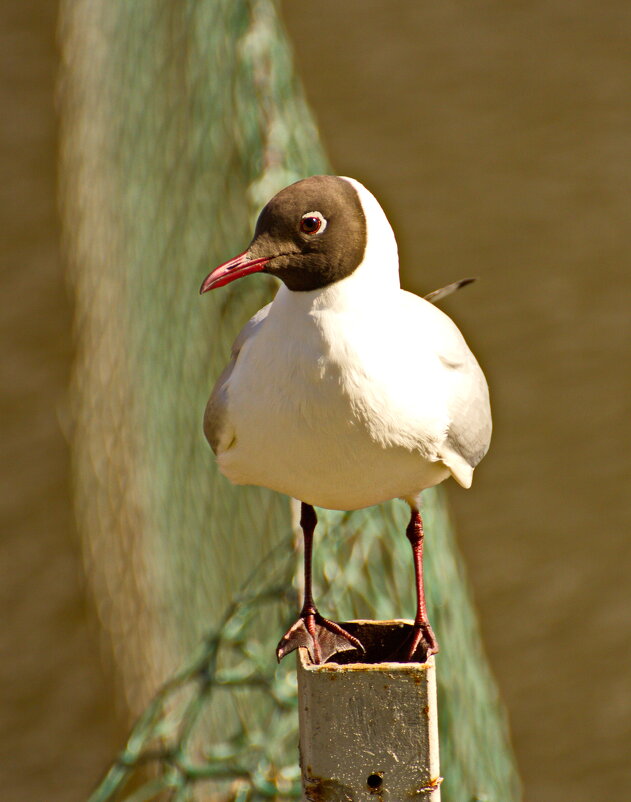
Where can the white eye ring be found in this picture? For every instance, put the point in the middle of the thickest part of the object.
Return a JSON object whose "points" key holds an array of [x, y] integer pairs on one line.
{"points": [[318, 216]]}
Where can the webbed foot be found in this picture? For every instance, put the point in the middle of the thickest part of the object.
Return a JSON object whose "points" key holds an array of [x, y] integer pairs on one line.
{"points": [[321, 637]]}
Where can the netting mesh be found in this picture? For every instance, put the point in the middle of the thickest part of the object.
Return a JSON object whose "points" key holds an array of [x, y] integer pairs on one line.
{"points": [[180, 118]]}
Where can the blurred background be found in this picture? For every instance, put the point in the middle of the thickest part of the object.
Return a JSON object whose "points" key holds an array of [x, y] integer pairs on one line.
{"points": [[497, 138]]}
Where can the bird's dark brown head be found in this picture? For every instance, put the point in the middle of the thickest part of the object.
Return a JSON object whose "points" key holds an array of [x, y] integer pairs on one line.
{"points": [[315, 232], [311, 234]]}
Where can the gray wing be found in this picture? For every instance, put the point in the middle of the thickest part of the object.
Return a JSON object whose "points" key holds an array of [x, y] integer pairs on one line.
{"points": [[469, 432], [216, 422]]}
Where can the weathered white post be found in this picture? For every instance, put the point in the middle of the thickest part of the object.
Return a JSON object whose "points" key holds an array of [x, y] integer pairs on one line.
{"points": [[369, 730]]}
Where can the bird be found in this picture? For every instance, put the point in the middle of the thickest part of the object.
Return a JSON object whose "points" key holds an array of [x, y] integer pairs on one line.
{"points": [[345, 391]]}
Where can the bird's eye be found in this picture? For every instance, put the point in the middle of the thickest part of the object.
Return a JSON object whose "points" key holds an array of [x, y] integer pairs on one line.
{"points": [[312, 223]]}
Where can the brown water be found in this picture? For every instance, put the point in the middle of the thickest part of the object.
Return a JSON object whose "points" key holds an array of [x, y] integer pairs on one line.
{"points": [[498, 137], [57, 730]]}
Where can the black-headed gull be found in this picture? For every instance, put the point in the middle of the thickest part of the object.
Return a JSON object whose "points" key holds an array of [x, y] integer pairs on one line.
{"points": [[345, 391]]}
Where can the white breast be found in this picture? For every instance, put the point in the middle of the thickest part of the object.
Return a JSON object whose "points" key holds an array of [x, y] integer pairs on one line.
{"points": [[327, 407]]}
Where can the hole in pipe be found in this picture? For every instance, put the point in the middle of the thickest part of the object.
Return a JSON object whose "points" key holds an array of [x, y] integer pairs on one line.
{"points": [[375, 781]]}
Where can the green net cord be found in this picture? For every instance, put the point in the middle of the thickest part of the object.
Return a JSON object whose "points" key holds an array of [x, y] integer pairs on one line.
{"points": [[180, 118]]}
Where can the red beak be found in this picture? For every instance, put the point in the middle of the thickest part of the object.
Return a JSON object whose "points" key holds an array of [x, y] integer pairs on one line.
{"points": [[233, 269]]}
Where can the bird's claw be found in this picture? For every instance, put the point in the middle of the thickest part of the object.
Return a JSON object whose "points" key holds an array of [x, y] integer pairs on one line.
{"points": [[422, 635], [321, 637]]}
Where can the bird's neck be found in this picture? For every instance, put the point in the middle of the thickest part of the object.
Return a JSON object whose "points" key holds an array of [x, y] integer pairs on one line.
{"points": [[347, 294], [374, 280]]}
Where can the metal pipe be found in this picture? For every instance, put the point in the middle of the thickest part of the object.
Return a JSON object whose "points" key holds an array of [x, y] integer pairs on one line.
{"points": [[369, 730]]}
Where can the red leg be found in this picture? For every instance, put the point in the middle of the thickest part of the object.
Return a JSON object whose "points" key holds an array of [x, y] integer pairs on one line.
{"points": [[422, 629], [319, 635]]}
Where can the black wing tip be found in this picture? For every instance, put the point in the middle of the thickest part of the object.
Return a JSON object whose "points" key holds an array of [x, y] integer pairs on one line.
{"points": [[443, 292]]}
